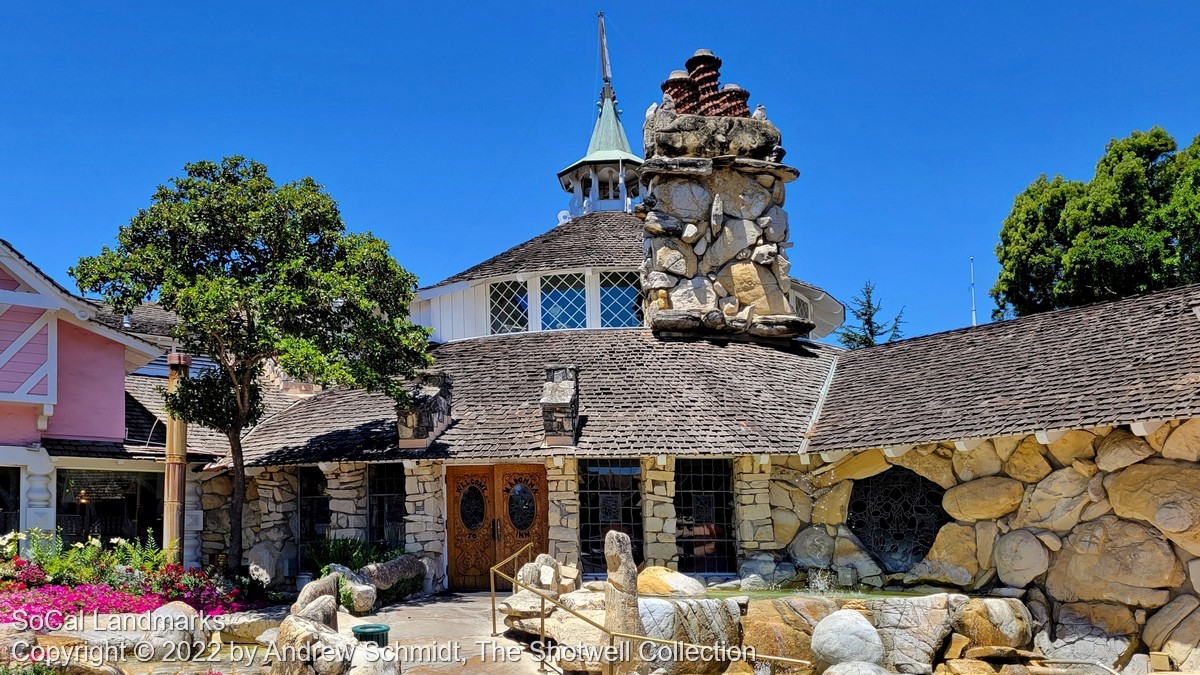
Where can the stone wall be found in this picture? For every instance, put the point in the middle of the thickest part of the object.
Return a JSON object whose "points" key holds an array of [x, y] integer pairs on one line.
{"points": [[563, 487], [752, 516], [347, 489], [425, 522], [1098, 531], [658, 511]]}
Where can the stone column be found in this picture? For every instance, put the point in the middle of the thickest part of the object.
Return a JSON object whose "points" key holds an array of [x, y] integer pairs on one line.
{"points": [[347, 489], [658, 511], [193, 521], [563, 487], [752, 506], [424, 520], [39, 491]]}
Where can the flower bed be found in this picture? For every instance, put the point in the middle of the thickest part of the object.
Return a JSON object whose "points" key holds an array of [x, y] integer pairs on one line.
{"points": [[126, 577]]}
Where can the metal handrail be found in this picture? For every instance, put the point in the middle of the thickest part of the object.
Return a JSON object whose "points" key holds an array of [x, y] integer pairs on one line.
{"points": [[773, 661]]}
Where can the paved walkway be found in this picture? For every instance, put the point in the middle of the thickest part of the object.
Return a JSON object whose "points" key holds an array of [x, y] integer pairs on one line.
{"points": [[434, 627]]}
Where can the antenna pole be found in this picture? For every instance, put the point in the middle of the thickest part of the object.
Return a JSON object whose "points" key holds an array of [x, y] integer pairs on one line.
{"points": [[972, 290]]}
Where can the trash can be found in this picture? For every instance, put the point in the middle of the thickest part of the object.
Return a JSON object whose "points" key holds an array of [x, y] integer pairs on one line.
{"points": [[372, 632]]}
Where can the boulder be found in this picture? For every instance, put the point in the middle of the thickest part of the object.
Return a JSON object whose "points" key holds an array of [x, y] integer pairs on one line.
{"points": [[977, 462], [315, 648], [994, 622], [986, 533], [684, 198], [265, 563], [969, 667], [704, 136], [672, 256], [1091, 631], [526, 604], [326, 585], [912, 630], [741, 196], [1183, 644], [856, 668], [1166, 495], [848, 552], [854, 467], [846, 636], [173, 624], [322, 610], [620, 596], [1026, 462], [246, 627], [583, 599], [754, 286], [1184, 442], [362, 593], [983, 498], [1020, 558], [1056, 503], [693, 295], [567, 629], [785, 524], [1114, 560], [384, 575], [1121, 448], [1159, 626], [812, 547], [784, 627], [951, 560], [831, 505], [930, 466], [269, 637], [667, 582], [709, 622], [1072, 446]]}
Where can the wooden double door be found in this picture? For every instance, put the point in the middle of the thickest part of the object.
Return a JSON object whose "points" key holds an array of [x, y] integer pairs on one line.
{"points": [[492, 511]]}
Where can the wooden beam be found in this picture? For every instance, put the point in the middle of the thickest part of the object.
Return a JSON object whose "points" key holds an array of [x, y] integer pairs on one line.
{"points": [[833, 455], [1146, 428], [29, 300], [1048, 437]]}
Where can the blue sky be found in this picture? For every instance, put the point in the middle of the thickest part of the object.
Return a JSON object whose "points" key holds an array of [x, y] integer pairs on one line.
{"points": [[440, 126]]}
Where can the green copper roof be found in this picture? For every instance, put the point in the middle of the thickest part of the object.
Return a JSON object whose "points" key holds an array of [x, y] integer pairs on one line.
{"points": [[609, 143]]}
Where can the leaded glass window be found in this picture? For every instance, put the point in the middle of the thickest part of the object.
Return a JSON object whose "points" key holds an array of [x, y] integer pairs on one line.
{"points": [[620, 300], [508, 307], [564, 301], [896, 515], [107, 504], [704, 532], [385, 514], [800, 307], [313, 503], [610, 497]]}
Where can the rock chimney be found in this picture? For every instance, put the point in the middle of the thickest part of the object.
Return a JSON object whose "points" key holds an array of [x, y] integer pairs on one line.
{"points": [[428, 414], [716, 233], [560, 405]]}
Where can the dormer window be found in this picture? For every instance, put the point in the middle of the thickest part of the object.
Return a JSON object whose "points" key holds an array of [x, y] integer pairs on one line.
{"points": [[508, 307], [564, 301], [620, 300]]}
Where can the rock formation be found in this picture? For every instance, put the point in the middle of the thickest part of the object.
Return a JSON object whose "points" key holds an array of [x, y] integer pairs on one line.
{"points": [[716, 232]]}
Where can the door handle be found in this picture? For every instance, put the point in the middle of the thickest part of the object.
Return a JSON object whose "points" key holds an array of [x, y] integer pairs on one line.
{"points": [[495, 529]]}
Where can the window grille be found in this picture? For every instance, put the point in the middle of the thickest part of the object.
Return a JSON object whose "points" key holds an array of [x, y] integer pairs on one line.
{"points": [[620, 300], [800, 307], [313, 504], [509, 307], [610, 497], [564, 301], [704, 534], [896, 515], [385, 505], [107, 504]]}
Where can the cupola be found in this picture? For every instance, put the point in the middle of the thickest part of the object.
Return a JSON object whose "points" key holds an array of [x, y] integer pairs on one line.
{"points": [[605, 179]]}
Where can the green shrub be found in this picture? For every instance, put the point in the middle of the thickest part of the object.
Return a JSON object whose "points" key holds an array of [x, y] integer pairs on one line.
{"points": [[352, 553], [26, 669]]}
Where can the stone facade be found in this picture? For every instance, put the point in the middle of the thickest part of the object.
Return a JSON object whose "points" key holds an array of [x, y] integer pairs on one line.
{"points": [[425, 521], [562, 484], [347, 489], [716, 231], [658, 511]]}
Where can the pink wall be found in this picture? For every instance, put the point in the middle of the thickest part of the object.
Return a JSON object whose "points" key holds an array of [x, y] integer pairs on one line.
{"points": [[18, 424], [13, 323], [91, 386]]}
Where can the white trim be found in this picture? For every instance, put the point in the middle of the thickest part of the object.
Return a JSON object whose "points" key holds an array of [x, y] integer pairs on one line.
{"points": [[533, 286], [968, 444], [1146, 428], [29, 300], [436, 291], [1048, 437], [24, 338], [894, 451], [43, 372]]}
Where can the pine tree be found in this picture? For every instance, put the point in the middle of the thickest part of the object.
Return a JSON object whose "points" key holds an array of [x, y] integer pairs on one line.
{"points": [[869, 331]]}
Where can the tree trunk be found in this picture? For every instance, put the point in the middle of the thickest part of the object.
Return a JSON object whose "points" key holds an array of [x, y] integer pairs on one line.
{"points": [[236, 502]]}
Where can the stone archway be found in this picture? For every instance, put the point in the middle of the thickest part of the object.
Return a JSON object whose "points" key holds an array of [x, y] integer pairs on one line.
{"points": [[896, 516]]}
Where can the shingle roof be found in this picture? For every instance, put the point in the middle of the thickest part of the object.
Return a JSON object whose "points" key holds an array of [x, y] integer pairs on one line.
{"points": [[598, 239], [1131, 360], [638, 393], [146, 416], [70, 447], [148, 318]]}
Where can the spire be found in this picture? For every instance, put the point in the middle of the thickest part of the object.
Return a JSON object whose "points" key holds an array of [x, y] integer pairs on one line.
{"points": [[605, 178]]}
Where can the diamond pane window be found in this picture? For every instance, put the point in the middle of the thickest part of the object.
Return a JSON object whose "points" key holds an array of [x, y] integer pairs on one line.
{"points": [[509, 307], [620, 300], [564, 301]]}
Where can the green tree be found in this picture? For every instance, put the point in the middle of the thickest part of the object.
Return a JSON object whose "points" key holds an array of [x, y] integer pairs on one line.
{"points": [[870, 331], [259, 272], [1131, 229]]}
